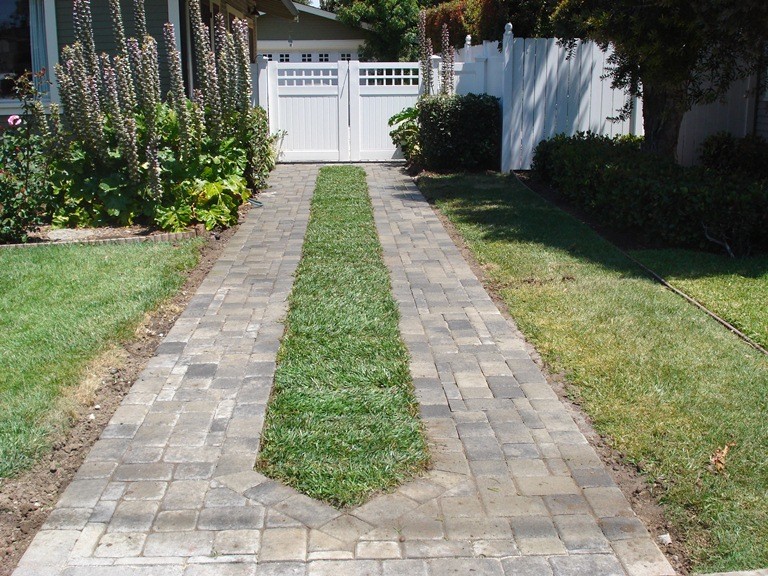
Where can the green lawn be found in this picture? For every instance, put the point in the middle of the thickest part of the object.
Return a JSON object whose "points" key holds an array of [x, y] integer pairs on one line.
{"points": [[735, 289], [343, 421], [667, 384], [59, 307]]}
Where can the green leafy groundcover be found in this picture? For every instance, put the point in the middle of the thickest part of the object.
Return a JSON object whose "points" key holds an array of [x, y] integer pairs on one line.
{"points": [[665, 383], [343, 420], [59, 307]]}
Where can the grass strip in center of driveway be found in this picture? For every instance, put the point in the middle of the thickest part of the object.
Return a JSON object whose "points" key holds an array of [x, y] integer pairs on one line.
{"points": [[342, 423]]}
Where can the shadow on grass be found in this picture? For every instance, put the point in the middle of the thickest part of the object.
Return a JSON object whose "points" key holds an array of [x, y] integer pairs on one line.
{"points": [[509, 211]]}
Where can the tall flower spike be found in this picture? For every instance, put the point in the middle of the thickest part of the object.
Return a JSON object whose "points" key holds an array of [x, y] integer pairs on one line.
{"points": [[446, 53], [425, 54], [125, 138], [125, 87], [135, 65], [243, 56], [200, 40], [224, 55], [83, 24], [151, 90], [207, 74], [178, 98], [140, 17], [118, 29]]}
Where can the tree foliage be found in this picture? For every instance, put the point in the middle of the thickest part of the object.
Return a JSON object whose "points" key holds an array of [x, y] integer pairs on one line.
{"points": [[674, 53], [393, 33], [485, 19]]}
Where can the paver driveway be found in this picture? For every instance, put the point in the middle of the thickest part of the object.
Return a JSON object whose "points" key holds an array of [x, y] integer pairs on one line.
{"points": [[169, 489]]}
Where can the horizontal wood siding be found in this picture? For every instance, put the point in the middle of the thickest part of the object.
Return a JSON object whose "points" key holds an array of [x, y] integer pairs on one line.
{"points": [[309, 27], [157, 16], [761, 122]]}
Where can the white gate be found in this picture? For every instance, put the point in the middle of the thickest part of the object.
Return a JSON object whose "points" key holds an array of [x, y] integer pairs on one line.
{"points": [[336, 111]]}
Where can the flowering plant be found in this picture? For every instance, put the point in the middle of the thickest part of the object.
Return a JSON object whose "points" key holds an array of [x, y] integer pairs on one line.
{"points": [[24, 168]]}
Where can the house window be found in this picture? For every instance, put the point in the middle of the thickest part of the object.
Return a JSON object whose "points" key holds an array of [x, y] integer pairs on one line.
{"points": [[323, 58], [285, 57], [22, 44], [345, 56], [306, 57], [269, 56]]}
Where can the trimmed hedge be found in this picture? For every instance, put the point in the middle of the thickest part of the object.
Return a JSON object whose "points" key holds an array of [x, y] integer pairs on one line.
{"points": [[656, 198], [460, 132], [724, 153]]}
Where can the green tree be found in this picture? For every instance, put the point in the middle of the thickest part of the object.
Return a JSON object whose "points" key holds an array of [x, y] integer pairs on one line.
{"points": [[673, 53], [393, 26]]}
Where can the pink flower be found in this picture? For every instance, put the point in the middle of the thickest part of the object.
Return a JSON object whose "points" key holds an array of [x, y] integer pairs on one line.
{"points": [[14, 120]]}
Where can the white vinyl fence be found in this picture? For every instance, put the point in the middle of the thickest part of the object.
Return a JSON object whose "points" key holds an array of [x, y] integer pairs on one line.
{"points": [[336, 111], [339, 111]]}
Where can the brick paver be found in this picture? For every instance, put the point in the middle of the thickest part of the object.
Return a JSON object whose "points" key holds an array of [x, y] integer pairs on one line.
{"points": [[169, 489]]}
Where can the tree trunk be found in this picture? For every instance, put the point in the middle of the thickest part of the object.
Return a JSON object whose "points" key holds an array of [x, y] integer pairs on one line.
{"points": [[663, 111]]}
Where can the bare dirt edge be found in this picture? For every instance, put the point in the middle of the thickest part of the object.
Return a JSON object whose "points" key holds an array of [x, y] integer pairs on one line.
{"points": [[26, 500], [636, 487]]}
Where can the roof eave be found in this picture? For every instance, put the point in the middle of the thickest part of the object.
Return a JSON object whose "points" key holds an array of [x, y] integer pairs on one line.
{"points": [[279, 8]]}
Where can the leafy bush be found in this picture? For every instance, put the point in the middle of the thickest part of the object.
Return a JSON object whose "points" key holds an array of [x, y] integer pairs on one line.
{"points": [[405, 133], [727, 154], [460, 132], [655, 198], [24, 169]]}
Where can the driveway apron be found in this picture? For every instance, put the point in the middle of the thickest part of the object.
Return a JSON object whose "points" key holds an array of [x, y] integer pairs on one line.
{"points": [[514, 488]]}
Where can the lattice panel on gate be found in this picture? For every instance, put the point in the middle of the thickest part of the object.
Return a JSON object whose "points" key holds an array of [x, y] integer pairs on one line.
{"points": [[307, 77], [400, 76]]}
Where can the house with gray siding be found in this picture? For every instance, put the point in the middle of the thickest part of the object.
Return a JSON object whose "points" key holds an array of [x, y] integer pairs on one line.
{"points": [[32, 33], [313, 36]]}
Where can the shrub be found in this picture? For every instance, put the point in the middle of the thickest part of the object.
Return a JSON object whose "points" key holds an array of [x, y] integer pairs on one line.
{"points": [[460, 132], [24, 169], [724, 153], [655, 198]]}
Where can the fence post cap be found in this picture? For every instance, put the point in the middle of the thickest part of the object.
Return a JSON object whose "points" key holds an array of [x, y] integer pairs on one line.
{"points": [[508, 28], [468, 39]]}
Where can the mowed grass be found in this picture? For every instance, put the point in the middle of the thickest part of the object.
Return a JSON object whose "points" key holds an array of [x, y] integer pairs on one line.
{"points": [[342, 423], [734, 289], [668, 385], [59, 307]]}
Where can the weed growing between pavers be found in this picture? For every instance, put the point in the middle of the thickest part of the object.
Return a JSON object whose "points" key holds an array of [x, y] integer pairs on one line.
{"points": [[667, 384], [59, 307], [343, 422]]}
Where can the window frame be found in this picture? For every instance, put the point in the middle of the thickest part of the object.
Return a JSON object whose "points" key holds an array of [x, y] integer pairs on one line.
{"points": [[45, 51]]}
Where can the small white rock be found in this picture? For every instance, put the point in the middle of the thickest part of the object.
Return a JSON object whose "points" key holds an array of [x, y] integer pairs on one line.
{"points": [[665, 539], [97, 407], [92, 416]]}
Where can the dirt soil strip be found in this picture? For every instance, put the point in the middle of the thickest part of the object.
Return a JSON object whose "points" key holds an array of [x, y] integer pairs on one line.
{"points": [[26, 500], [642, 495]]}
